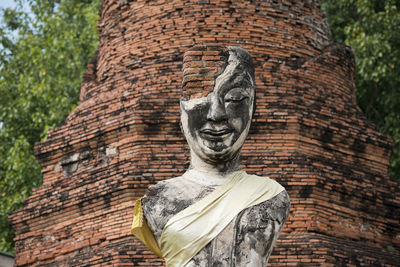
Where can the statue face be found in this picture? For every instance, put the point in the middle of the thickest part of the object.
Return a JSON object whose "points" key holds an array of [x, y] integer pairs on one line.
{"points": [[216, 125]]}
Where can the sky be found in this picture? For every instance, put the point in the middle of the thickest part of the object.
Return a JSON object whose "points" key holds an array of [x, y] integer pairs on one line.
{"points": [[7, 3], [11, 3]]}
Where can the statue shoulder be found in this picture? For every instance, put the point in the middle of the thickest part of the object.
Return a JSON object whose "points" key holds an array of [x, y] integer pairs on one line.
{"points": [[281, 200], [278, 206], [159, 203], [165, 187]]}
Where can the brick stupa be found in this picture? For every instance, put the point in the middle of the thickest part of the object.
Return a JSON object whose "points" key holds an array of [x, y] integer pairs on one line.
{"points": [[308, 133]]}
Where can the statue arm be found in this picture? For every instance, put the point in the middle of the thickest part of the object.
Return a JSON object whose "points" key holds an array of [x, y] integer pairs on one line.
{"points": [[259, 228]]}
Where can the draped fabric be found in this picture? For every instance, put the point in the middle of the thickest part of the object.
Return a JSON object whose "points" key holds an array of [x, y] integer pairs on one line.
{"points": [[190, 230], [142, 231]]}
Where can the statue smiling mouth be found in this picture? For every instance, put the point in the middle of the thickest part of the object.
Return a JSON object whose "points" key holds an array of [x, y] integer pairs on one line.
{"points": [[215, 135]]}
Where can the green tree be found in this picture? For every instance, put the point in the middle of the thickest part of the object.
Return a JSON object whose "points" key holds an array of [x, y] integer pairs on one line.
{"points": [[43, 54], [372, 29]]}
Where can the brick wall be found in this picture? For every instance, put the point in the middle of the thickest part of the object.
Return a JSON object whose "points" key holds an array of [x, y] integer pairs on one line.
{"points": [[308, 134]]}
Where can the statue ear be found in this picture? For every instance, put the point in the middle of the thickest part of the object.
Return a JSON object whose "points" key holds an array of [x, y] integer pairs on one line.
{"points": [[254, 104], [180, 126], [180, 121]]}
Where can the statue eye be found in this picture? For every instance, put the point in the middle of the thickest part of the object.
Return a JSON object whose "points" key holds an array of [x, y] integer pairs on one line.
{"points": [[235, 95], [234, 99]]}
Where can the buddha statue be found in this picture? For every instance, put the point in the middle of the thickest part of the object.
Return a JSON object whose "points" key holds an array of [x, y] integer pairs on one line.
{"points": [[215, 214]]}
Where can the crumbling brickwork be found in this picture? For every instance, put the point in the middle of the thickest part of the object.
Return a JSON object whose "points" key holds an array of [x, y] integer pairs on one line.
{"points": [[307, 133], [201, 66]]}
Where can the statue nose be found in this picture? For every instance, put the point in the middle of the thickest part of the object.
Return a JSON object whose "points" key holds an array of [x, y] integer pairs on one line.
{"points": [[217, 111]]}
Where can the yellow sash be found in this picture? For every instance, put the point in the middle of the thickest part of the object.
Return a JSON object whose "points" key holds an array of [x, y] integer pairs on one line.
{"points": [[142, 231], [188, 231]]}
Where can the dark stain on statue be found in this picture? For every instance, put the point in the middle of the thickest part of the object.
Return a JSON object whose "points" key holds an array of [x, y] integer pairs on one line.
{"points": [[177, 205], [196, 117]]}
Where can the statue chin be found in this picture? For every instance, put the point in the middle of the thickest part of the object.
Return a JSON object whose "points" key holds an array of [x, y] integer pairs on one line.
{"points": [[217, 153], [218, 157]]}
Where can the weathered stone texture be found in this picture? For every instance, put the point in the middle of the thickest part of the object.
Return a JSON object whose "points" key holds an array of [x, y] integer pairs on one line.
{"points": [[307, 133]]}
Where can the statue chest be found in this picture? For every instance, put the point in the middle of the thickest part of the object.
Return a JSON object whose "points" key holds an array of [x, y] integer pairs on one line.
{"points": [[246, 241]]}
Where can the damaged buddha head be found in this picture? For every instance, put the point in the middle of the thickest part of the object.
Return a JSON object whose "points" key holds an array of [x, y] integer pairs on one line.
{"points": [[218, 101]]}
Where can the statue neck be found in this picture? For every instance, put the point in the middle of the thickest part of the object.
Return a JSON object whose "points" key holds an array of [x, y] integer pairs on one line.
{"points": [[223, 169]]}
